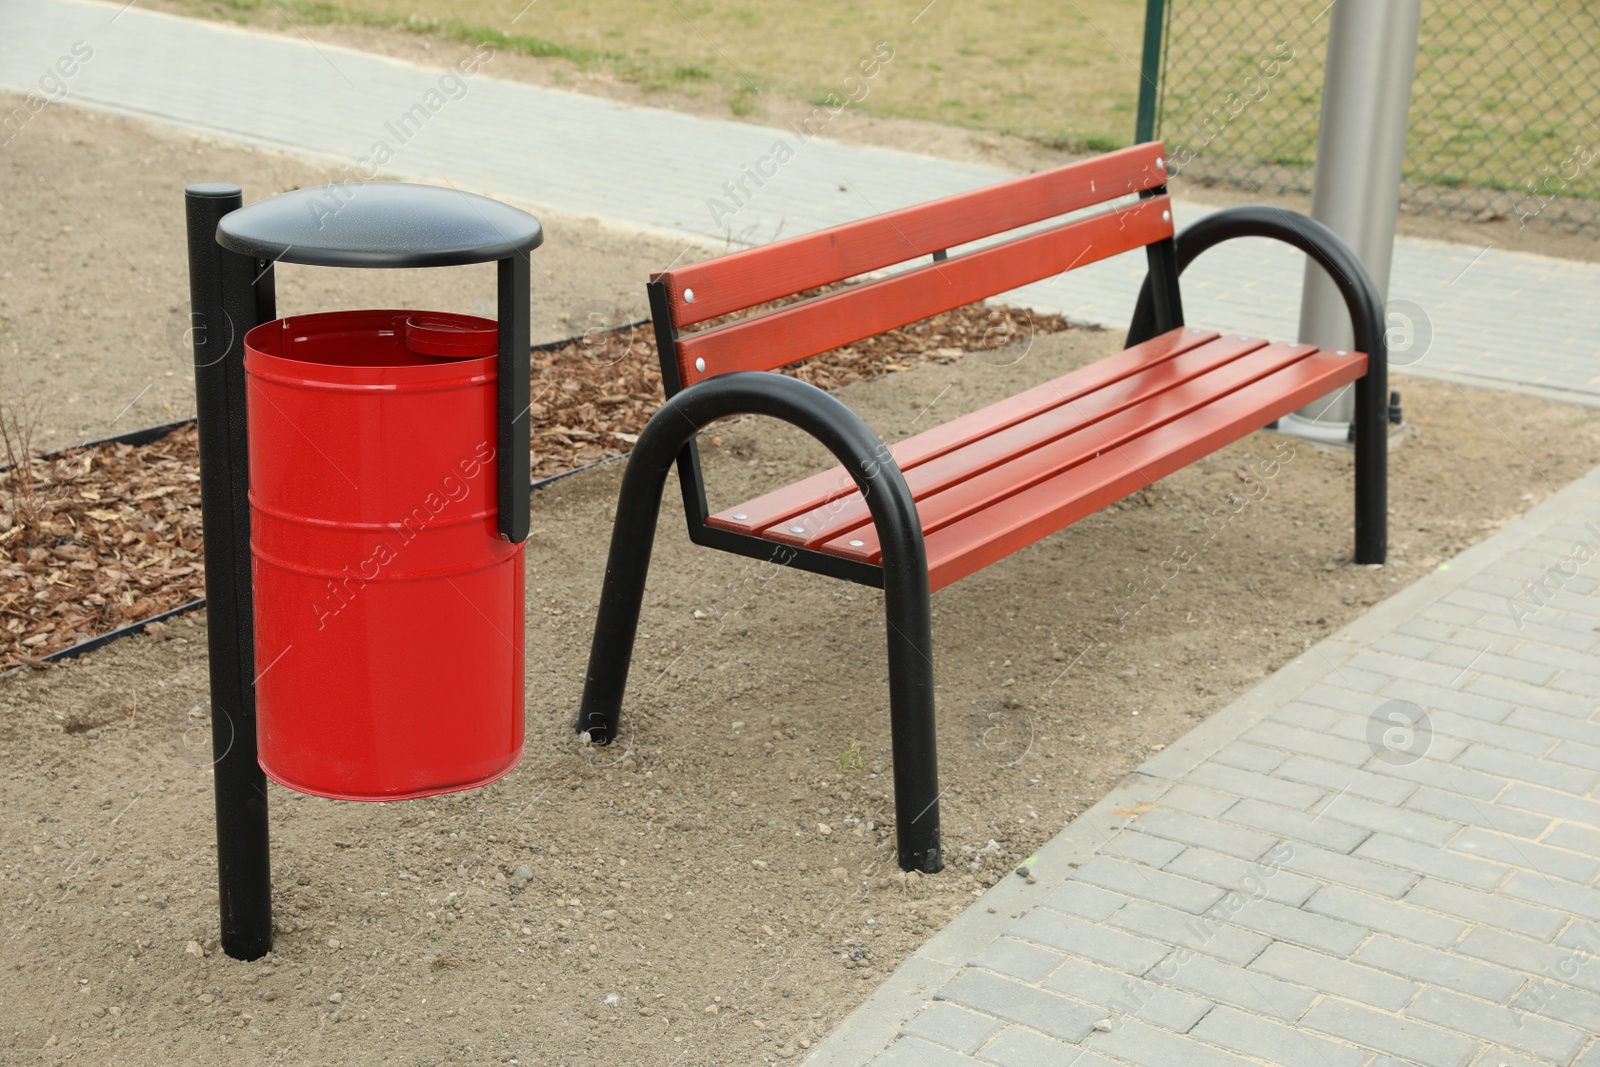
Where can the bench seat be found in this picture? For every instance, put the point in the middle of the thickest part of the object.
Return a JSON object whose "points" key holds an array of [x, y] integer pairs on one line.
{"points": [[1002, 477]]}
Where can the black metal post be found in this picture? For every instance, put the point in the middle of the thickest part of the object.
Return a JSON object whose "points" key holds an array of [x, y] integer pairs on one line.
{"points": [[229, 294], [906, 596], [514, 398]]}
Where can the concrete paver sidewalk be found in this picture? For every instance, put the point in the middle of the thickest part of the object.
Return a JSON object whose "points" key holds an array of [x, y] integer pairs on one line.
{"points": [[1495, 317], [1387, 853]]}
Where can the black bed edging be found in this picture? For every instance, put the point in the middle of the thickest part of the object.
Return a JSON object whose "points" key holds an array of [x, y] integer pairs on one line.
{"points": [[155, 433]]}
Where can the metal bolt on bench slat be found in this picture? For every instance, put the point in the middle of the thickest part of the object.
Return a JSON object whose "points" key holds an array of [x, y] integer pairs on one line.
{"points": [[740, 516], [688, 296], [857, 544], [700, 365], [797, 529]]}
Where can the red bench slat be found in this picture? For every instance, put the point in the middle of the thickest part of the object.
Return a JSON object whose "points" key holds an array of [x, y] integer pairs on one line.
{"points": [[819, 490], [1017, 457], [756, 275], [964, 547], [791, 333], [959, 497]]}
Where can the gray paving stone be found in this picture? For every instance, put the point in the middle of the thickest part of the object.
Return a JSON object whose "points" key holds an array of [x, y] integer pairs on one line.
{"points": [[1341, 978], [1140, 848], [1549, 802], [1263, 787], [1197, 800], [1523, 694], [1572, 639], [1526, 885], [1577, 754], [1358, 811], [1316, 717], [1451, 727], [954, 1027], [1451, 866], [915, 1052], [1204, 934], [1393, 667], [1580, 839], [1437, 699], [1441, 774], [1337, 778], [1551, 999], [1022, 960], [1493, 1057], [1347, 870], [1123, 994], [1533, 958], [1521, 1032], [1522, 768], [1150, 1046], [1275, 1043], [1582, 935], [1563, 726], [1018, 1047], [1223, 982], [1516, 852], [1052, 1013], [1147, 883], [1408, 1039], [1233, 875], [1452, 615], [1385, 916], [1573, 682], [1326, 833], [1446, 969], [1462, 809], [1308, 742], [1591, 1057], [1249, 757], [1089, 940], [1484, 661], [1300, 927], [1487, 909], [1429, 628], [1086, 901], [1395, 643], [1220, 837]]}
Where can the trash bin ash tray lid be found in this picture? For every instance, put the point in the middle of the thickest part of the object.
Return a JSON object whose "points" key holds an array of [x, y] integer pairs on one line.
{"points": [[379, 224]]}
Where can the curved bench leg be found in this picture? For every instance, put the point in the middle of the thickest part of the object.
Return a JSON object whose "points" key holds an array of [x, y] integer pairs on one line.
{"points": [[911, 720], [621, 596], [905, 576]]}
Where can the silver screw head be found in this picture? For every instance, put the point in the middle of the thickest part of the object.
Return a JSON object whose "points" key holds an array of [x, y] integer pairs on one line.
{"points": [[688, 296], [700, 365], [797, 529], [857, 544]]}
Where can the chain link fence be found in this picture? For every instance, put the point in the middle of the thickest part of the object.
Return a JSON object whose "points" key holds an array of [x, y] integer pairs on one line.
{"points": [[1505, 104]]}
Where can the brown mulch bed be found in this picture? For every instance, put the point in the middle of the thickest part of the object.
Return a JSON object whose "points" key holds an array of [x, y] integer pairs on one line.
{"points": [[95, 538]]}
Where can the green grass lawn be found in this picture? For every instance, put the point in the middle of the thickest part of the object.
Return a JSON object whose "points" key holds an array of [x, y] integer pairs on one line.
{"points": [[1065, 74], [1506, 98]]}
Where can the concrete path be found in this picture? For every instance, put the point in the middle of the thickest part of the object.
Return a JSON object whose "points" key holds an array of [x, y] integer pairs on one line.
{"points": [[1483, 316], [1387, 853]]}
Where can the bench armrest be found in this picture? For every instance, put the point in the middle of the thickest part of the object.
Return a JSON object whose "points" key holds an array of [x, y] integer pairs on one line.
{"points": [[1311, 237]]}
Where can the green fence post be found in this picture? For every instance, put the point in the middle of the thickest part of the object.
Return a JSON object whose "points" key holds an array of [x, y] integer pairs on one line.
{"points": [[1155, 21]]}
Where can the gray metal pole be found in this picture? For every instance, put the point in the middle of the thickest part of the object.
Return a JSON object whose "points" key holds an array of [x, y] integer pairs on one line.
{"points": [[1366, 99]]}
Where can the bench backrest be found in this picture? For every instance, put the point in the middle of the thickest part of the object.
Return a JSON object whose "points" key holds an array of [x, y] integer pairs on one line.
{"points": [[687, 296]]}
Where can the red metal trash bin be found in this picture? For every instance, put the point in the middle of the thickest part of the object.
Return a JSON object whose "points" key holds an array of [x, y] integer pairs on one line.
{"points": [[388, 608]]}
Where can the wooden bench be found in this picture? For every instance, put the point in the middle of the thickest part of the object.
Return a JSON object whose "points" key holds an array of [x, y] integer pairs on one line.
{"points": [[951, 500]]}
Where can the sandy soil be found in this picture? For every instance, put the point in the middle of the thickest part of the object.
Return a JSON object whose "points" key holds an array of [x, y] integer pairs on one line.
{"points": [[94, 293], [988, 148], [719, 887]]}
